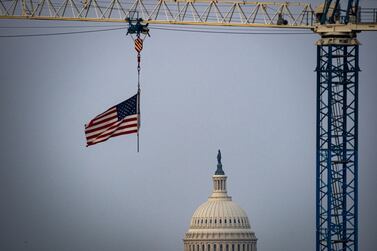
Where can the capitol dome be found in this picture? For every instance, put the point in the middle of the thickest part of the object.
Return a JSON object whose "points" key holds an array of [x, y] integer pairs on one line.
{"points": [[219, 224]]}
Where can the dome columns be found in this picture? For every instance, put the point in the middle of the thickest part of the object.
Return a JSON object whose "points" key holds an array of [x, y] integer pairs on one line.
{"points": [[221, 246], [219, 183], [219, 188]]}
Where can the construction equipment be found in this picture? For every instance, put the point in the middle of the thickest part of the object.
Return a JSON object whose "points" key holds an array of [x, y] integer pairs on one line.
{"points": [[337, 22]]}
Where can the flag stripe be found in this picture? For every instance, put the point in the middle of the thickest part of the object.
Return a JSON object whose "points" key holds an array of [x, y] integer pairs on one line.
{"points": [[102, 115], [128, 132], [110, 110], [107, 130], [99, 126], [106, 123], [113, 114], [99, 132], [113, 132]]}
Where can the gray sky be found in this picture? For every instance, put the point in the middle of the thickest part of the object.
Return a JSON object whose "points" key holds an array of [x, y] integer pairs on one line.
{"points": [[253, 96]]}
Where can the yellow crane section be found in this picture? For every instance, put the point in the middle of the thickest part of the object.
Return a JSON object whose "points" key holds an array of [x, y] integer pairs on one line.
{"points": [[182, 12]]}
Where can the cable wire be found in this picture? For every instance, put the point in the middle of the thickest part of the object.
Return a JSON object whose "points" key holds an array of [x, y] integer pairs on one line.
{"points": [[152, 26], [234, 33], [191, 29], [58, 33], [61, 26]]}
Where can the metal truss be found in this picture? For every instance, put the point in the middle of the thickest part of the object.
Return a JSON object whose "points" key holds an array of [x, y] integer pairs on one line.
{"points": [[193, 12], [337, 148]]}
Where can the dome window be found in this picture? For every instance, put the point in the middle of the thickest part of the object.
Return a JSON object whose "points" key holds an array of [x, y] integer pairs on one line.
{"points": [[220, 221], [215, 221], [225, 221]]}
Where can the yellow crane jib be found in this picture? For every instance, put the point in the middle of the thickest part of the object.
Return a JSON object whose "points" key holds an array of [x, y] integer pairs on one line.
{"points": [[185, 12]]}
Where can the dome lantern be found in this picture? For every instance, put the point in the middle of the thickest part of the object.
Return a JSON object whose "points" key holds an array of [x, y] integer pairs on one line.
{"points": [[219, 182]]}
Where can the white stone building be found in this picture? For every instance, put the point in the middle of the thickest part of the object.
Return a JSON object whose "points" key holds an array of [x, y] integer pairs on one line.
{"points": [[219, 224]]}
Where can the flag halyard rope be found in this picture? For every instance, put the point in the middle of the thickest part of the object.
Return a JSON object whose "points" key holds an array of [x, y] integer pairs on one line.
{"points": [[138, 47]]}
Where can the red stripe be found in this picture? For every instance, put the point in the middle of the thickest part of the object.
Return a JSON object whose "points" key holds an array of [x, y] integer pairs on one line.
{"points": [[109, 134], [118, 134], [88, 130], [107, 112], [103, 114], [103, 133], [93, 123], [124, 133], [114, 132], [91, 143]]}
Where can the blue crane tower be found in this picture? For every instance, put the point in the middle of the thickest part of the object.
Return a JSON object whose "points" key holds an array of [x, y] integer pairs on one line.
{"points": [[337, 128]]}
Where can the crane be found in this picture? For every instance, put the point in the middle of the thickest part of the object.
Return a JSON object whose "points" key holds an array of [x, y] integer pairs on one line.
{"points": [[336, 21]]}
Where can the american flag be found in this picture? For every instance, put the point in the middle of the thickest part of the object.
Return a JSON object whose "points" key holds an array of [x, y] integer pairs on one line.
{"points": [[118, 120]]}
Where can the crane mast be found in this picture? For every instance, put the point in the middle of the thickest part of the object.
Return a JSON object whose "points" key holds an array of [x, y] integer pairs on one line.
{"points": [[337, 22], [337, 127], [337, 146]]}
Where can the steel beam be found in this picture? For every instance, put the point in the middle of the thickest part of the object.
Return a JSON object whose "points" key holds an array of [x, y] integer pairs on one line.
{"points": [[337, 147]]}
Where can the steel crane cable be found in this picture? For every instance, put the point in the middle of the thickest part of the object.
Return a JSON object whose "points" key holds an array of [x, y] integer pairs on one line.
{"points": [[272, 30], [157, 28], [59, 33], [234, 33]]}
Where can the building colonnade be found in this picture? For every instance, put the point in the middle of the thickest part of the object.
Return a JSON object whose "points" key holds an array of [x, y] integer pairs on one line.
{"points": [[220, 246]]}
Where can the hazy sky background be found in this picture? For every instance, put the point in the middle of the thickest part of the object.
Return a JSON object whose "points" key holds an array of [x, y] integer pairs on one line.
{"points": [[253, 96]]}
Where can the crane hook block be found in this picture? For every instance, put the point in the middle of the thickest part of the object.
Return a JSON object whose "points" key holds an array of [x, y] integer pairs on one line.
{"points": [[136, 26]]}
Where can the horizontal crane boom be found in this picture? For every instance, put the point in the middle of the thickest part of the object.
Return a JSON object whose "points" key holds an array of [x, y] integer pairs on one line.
{"points": [[183, 12]]}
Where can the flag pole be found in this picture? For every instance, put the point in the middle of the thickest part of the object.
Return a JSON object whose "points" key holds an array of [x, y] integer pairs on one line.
{"points": [[138, 100], [136, 27]]}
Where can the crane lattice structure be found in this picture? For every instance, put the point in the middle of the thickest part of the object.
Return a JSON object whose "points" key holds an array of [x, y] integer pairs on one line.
{"points": [[336, 21]]}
